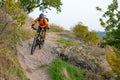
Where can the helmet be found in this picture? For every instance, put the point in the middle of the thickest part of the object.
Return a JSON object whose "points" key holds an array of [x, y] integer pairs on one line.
{"points": [[41, 15]]}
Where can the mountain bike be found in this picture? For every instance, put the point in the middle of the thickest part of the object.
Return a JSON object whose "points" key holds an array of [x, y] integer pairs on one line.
{"points": [[39, 37]]}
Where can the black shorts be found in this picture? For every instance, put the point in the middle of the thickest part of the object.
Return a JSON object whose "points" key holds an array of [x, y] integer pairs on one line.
{"points": [[45, 29]]}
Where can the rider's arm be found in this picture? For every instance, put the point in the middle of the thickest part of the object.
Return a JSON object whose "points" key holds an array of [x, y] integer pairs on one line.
{"points": [[34, 22]]}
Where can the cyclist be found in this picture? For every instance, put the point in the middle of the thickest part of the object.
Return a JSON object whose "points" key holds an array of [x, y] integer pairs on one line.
{"points": [[43, 24]]}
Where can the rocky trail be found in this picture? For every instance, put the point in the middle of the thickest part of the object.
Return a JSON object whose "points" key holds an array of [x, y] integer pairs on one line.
{"points": [[83, 56], [36, 65]]}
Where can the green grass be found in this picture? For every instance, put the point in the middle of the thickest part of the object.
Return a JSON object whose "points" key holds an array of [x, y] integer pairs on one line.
{"points": [[67, 42], [61, 70]]}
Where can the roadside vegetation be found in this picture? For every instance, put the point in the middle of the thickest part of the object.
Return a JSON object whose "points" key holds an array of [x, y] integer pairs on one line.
{"points": [[12, 18], [81, 31], [113, 60]]}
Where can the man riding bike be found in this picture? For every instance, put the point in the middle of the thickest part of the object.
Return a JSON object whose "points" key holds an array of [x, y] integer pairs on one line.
{"points": [[43, 24]]}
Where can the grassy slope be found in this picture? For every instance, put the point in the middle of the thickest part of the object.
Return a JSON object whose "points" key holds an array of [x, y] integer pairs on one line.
{"points": [[61, 70], [10, 68]]}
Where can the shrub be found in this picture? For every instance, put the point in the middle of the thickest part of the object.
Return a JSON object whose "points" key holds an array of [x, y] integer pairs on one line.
{"points": [[113, 60], [80, 30], [92, 37]]}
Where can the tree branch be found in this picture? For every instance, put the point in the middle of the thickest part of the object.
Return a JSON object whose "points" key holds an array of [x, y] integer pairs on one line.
{"points": [[29, 8]]}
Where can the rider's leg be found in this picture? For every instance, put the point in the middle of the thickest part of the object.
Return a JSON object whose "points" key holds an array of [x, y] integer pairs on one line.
{"points": [[45, 33]]}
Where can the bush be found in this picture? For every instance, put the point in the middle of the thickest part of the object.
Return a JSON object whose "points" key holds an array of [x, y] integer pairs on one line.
{"points": [[92, 37], [80, 30], [113, 60]]}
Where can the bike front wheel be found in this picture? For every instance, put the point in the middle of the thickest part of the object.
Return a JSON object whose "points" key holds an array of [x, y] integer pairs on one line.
{"points": [[34, 46]]}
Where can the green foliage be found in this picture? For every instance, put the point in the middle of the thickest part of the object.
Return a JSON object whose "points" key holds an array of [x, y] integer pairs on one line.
{"points": [[111, 23], [67, 42], [98, 8], [56, 28], [29, 5], [80, 30], [93, 37], [61, 70]]}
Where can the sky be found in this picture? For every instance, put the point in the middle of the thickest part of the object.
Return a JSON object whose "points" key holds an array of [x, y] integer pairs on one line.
{"points": [[74, 11]]}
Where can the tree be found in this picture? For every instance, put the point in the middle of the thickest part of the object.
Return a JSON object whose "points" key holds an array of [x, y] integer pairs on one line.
{"points": [[29, 5], [111, 23], [80, 30]]}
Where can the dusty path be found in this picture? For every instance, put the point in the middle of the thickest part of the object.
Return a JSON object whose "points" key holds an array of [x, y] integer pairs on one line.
{"points": [[36, 65]]}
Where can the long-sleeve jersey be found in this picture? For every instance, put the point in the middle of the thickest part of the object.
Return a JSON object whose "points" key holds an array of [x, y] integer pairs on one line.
{"points": [[42, 22]]}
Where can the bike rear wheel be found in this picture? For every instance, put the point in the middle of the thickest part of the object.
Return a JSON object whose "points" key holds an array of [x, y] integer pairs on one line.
{"points": [[34, 45]]}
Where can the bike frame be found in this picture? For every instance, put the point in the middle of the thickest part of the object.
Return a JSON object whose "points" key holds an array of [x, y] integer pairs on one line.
{"points": [[40, 34], [37, 40]]}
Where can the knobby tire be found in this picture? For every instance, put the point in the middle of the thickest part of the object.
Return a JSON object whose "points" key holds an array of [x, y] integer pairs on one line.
{"points": [[34, 45]]}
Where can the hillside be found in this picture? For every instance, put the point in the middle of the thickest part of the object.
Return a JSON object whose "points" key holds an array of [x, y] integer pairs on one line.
{"points": [[62, 56], [66, 55], [61, 45], [84, 56], [10, 35]]}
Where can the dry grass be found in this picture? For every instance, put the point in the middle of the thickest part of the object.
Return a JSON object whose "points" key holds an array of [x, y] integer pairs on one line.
{"points": [[112, 59], [9, 66], [65, 74]]}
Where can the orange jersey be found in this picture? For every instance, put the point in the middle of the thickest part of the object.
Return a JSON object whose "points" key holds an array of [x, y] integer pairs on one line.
{"points": [[42, 22]]}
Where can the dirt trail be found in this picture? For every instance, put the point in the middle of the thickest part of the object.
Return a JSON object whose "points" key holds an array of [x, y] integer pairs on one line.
{"points": [[36, 65]]}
